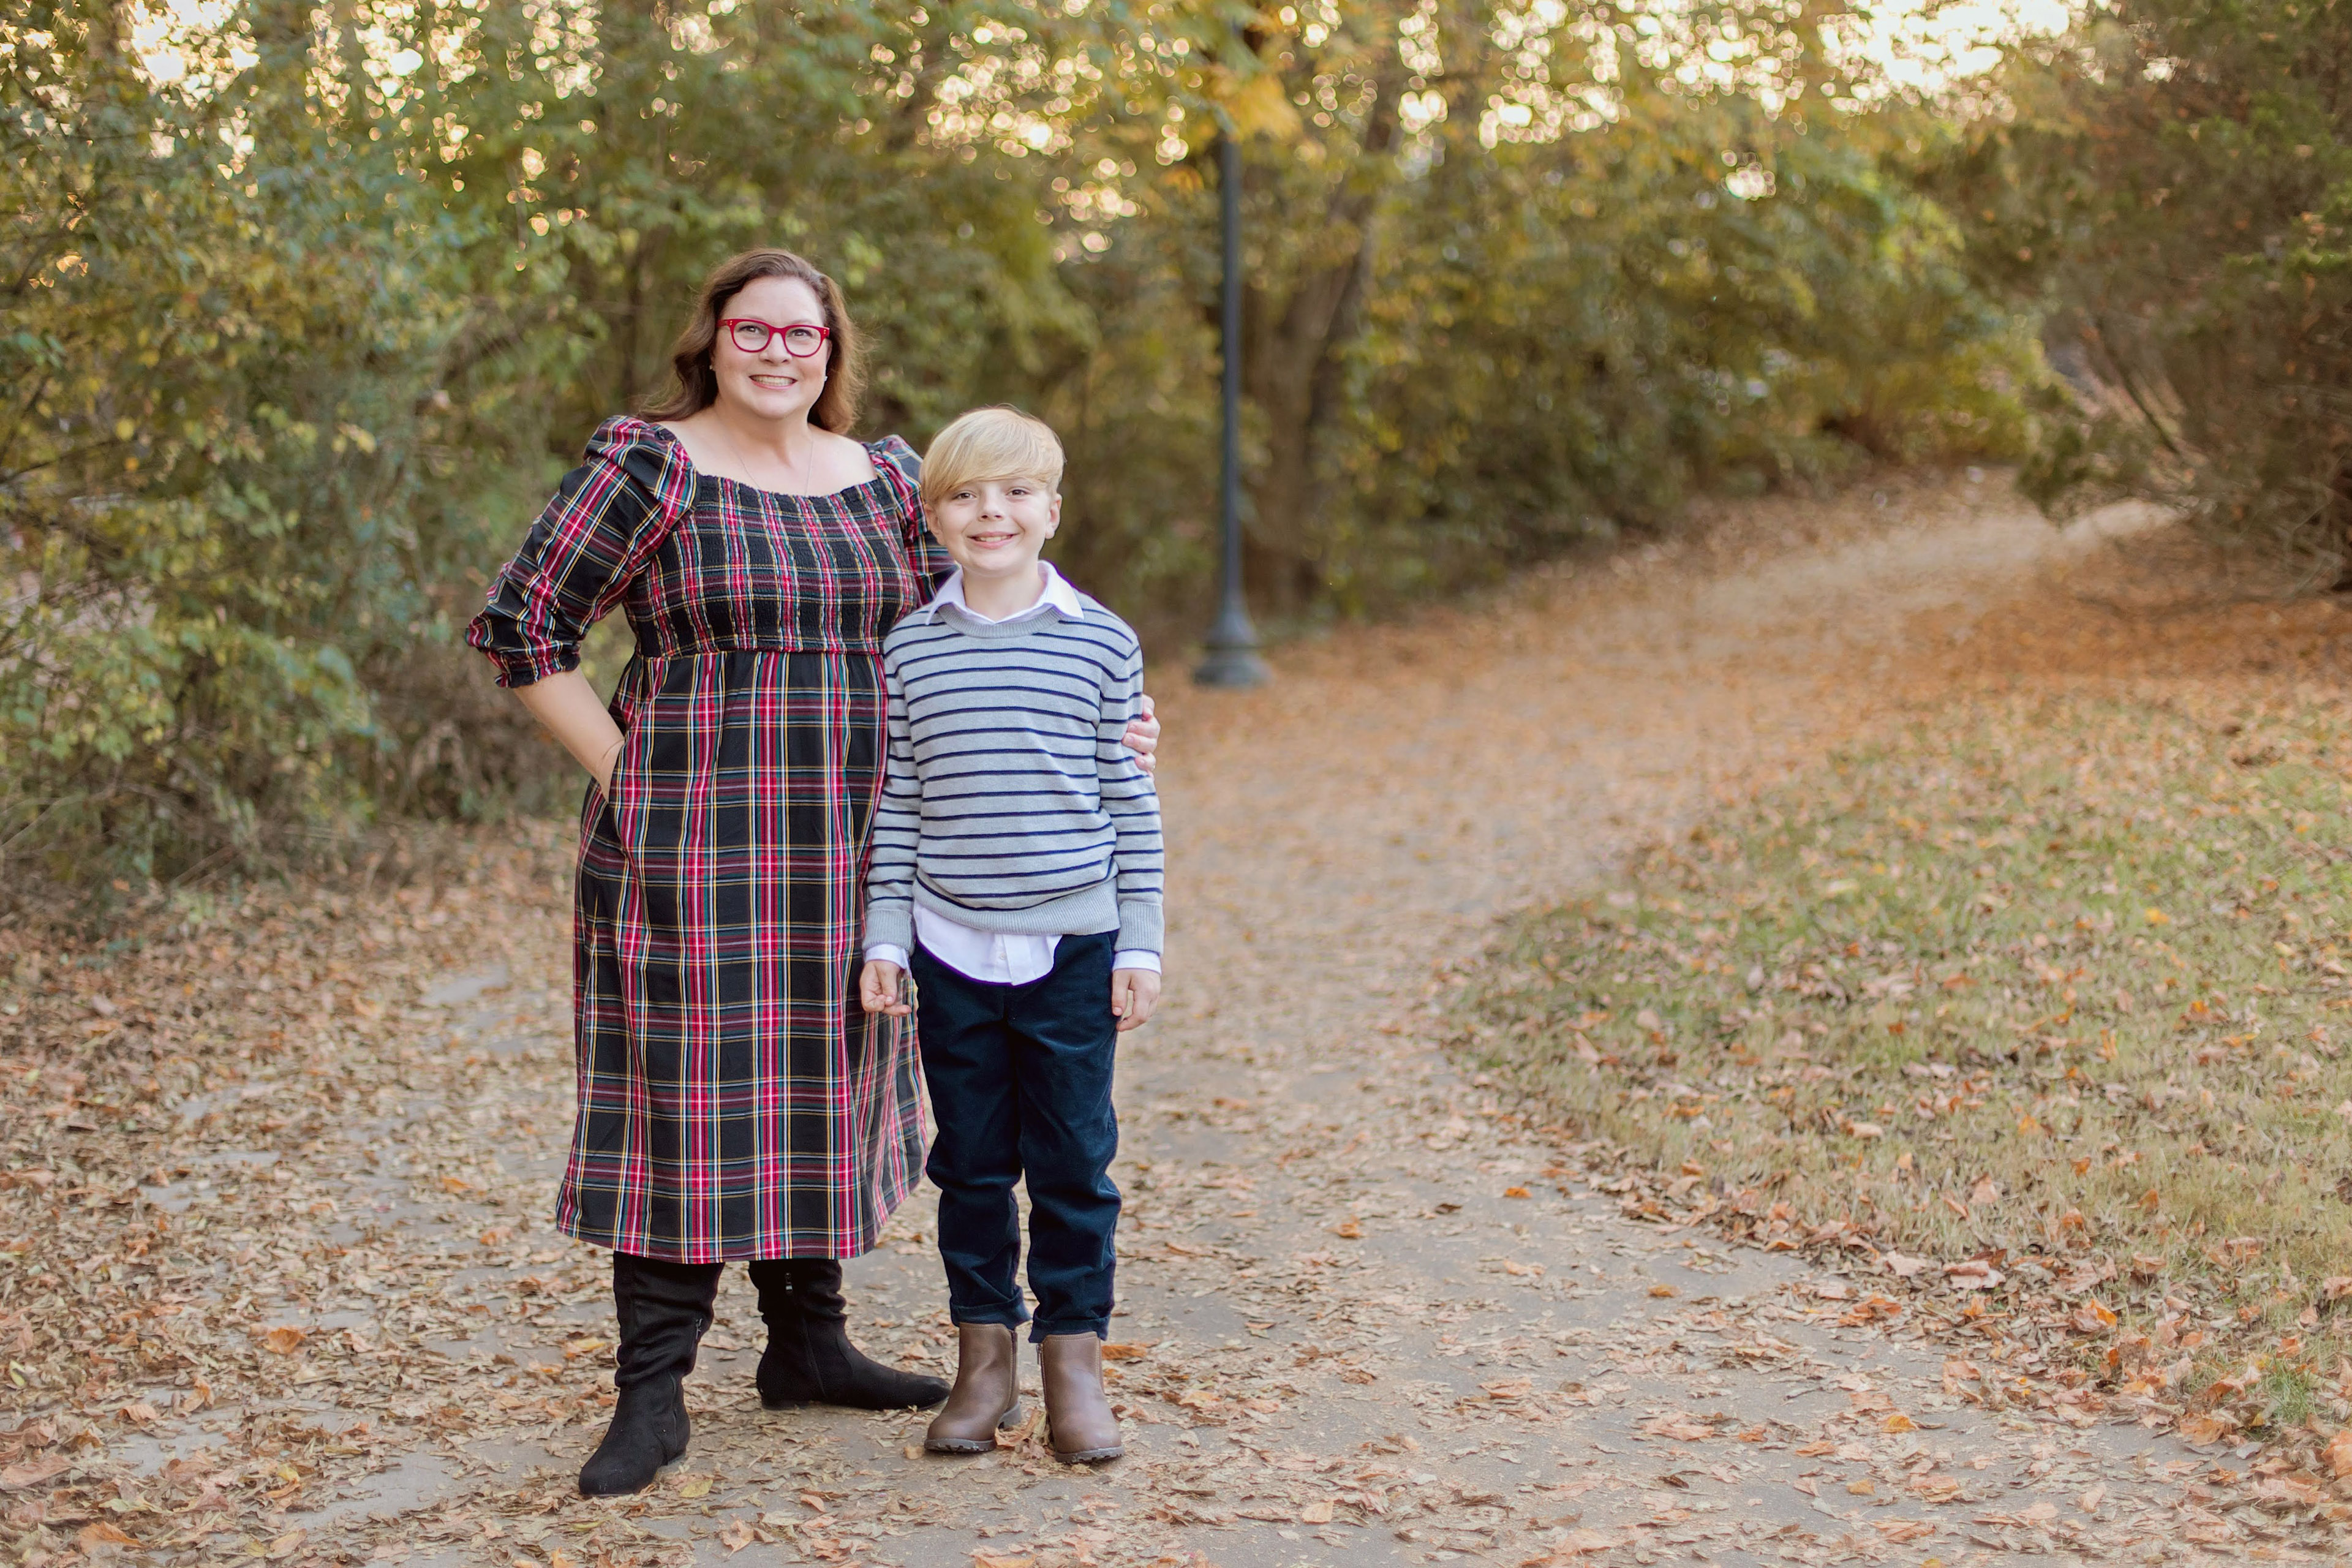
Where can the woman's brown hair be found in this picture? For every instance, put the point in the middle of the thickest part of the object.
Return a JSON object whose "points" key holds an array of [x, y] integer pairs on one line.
{"points": [[835, 409]]}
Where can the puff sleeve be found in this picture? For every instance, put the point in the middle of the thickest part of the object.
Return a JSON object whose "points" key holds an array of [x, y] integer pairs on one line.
{"points": [[608, 517], [905, 469]]}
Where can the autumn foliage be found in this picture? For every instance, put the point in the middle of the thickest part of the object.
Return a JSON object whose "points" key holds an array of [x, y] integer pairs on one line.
{"points": [[2172, 183], [309, 306]]}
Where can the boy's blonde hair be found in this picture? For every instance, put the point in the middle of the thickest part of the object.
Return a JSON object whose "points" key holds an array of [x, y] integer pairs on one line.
{"points": [[990, 444]]}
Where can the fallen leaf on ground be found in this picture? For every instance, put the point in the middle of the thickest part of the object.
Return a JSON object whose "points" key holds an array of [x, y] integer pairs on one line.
{"points": [[1974, 1274], [1578, 1542], [2203, 1429], [16, 1477]]}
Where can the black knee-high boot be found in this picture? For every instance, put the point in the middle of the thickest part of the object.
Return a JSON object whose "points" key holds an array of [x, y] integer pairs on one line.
{"points": [[809, 1359], [663, 1310]]}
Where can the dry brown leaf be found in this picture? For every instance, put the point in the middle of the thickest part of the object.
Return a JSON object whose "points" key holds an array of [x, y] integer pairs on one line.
{"points": [[1972, 1274], [284, 1340], [1349, 1230], [102, 1534], [1118, 1351], [2204, 1429], [1577, 1543], [2091, 1318], [20, 1477]]}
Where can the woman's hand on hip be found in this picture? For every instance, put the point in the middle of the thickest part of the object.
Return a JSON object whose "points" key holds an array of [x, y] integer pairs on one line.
{"points": [[1142, 737], [576, 716]]}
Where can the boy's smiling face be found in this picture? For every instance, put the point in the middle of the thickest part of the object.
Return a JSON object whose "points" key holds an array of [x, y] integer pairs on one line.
{"points": [[994, 527]]}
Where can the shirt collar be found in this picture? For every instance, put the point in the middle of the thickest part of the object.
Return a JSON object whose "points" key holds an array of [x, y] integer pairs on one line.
{"points": [[1058, 596]]}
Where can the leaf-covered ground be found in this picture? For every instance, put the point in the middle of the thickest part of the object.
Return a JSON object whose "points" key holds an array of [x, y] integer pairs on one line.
{"points": [[275, 1169], [2041, 1000]]}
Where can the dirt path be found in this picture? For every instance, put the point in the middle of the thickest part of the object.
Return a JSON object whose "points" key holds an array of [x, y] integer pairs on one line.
{"points": [[1370, 1315]]}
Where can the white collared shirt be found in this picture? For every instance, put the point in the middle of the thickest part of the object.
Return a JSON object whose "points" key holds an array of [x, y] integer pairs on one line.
{"points": [[998, 957]]}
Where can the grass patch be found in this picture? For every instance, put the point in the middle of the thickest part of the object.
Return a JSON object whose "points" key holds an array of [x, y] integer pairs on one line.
{"points": [[2060, 987]]}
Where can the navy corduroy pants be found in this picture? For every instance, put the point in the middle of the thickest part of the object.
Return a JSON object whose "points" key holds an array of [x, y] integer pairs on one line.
{"points": [[1021, 1091]]}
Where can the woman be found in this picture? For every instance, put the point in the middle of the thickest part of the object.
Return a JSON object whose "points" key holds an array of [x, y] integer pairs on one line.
{"points": [[735, 1102]]}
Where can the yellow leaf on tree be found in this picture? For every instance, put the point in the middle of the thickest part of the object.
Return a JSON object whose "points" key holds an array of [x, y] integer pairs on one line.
{"points": [[1261, 108]]}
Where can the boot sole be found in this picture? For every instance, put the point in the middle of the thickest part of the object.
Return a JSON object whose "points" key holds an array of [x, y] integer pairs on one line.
{"points": [[665, 1467], [1083, 1456], [767, 1404], [1005, 1423], [1091, 1456]]}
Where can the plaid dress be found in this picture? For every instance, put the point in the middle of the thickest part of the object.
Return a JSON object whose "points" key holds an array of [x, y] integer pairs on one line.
{"points": [[734, 1100]]}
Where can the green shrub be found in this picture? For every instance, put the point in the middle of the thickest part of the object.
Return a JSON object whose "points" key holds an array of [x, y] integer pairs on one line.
{"points": [[2172, 183]]}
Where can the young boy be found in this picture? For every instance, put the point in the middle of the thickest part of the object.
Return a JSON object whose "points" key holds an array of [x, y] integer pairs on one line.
{"points": [[1016, 872]]}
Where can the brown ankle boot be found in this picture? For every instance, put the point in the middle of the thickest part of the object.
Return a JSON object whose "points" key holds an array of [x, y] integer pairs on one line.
{"points": [[987, 1394], [1078, 1421]]}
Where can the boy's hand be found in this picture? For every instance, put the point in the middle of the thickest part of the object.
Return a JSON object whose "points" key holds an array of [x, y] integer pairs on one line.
{"points": [[1134, 992], [882, 988]]}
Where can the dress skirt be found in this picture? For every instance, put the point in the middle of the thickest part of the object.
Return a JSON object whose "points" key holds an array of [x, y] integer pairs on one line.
{"points": [[734, 1100]]}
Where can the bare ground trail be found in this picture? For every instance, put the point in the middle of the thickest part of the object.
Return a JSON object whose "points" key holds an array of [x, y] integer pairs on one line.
{"points": [[1371, 1315]]}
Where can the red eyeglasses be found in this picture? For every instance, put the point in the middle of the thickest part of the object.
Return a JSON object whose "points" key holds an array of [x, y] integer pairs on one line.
{"points": [[752, 335]]}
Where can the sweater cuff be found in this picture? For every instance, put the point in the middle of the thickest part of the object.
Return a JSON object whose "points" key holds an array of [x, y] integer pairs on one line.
{"points": [[889, 923], [1139, 925]]}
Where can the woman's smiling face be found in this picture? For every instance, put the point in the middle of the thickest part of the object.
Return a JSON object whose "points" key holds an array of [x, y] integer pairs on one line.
{"points": [[772, 383]]}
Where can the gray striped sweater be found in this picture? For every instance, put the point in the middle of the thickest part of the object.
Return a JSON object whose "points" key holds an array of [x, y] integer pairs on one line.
{"points": [[1011, 803]]}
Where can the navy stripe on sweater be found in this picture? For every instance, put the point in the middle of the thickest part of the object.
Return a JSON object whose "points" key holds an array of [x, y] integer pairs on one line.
{"points": [[1011, 802]]}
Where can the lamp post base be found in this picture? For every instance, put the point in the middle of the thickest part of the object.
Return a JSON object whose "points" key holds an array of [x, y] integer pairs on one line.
{"points": [[1231, 666], [1231, 652]]}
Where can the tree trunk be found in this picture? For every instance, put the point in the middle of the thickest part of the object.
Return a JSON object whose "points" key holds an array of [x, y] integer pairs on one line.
{"points": [[1293, 355]]}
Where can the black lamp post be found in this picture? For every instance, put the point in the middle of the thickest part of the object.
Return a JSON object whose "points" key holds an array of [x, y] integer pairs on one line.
{"points": [[1232, 642]]}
